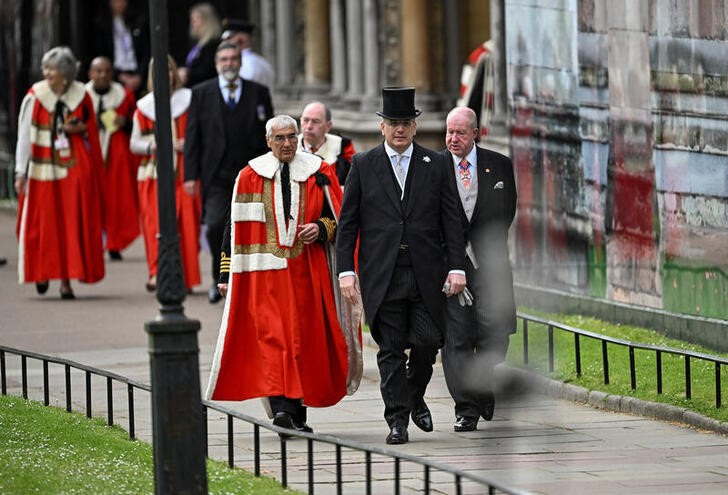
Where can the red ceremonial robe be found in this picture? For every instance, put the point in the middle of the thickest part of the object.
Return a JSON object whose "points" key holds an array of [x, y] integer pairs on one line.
{"points": [[279, 333], [121, 204], [188, 207], [60, 212]]}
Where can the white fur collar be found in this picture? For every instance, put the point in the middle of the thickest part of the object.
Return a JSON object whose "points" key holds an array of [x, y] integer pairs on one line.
{"points": [[72, 97], [112, 99], [179, 102], [303, 165]]}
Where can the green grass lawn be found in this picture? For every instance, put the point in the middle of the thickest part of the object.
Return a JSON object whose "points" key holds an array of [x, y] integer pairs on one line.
{"points": [[673, 367], [48, 450]]}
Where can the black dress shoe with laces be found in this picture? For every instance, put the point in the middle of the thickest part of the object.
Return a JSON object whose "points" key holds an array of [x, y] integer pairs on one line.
{"points": [[421, 417], [213, 295], [464, 423], [397, 435]]}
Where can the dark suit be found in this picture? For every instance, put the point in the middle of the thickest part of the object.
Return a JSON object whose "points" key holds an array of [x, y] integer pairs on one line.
{"points": [[477, 336], [138, 29], [401, 288], [209, 146]]}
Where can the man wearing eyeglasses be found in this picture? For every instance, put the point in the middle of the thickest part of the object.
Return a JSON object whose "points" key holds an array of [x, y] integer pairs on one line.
{"points": [[400, 202], [281, 337], [225, 130]]}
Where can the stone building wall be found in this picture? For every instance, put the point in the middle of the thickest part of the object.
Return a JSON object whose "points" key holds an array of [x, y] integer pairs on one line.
{"points": [[619, 134]]}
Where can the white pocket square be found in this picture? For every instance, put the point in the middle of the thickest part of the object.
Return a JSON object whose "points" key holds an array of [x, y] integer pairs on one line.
{"points": [[498, 185]]}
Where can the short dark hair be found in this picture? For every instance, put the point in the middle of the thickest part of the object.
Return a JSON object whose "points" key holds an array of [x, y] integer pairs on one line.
{"points": [[226, 45]]}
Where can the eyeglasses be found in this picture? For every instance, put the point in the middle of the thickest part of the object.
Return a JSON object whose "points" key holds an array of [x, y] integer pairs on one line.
{"points": [[280, 138]]}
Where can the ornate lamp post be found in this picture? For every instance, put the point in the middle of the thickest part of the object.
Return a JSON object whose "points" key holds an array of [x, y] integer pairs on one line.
{"points": [[177, 428]]}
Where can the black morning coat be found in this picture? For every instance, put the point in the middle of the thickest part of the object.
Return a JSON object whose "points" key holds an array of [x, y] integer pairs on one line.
{"points": [[205, 135], [428, 217], [487, 232]]}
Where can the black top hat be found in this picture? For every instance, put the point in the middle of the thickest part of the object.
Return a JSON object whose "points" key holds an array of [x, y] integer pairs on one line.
{"points": [[398, 104], [230, 26]]}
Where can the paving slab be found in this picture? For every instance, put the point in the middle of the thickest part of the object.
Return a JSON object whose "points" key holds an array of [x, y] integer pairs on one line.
{"points": [[534, 443]]}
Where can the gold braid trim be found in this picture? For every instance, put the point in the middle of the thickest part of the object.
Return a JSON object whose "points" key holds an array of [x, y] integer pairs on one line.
{"points": [[330, 225], [224, 263]]}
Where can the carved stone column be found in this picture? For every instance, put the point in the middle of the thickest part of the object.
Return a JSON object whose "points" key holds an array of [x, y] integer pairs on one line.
{"points": [[316, 45], [355, 48], [371, 56], [338, 48], [267, 33], [416, 48], [285, 46]]}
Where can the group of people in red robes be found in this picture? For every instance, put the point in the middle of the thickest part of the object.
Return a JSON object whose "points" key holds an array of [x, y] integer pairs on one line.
{"points": [[86, 175]]}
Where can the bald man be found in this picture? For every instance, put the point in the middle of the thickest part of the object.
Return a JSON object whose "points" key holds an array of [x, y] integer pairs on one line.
{"points": [[316, 138], [114, 106], [477, 335]]}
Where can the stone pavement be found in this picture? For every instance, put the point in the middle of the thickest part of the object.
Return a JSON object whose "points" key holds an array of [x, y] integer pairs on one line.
{"points": [[535, 443]]}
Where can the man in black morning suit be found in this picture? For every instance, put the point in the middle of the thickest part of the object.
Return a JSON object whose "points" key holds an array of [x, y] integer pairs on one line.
{"points": [[225, 130], [477, 335], [400, 201]]}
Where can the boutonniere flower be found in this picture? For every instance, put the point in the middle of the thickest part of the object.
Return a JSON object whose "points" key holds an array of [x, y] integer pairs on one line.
{"points": [[426, 159]]}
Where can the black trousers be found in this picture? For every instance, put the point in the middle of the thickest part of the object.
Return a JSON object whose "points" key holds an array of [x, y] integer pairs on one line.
{"points": [[279, 403], [216, 208], [471, 351], [402, 323]]}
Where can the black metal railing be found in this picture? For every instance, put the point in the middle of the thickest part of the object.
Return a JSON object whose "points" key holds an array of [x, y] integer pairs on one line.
{"points": [[686, 355], [460, 477]]}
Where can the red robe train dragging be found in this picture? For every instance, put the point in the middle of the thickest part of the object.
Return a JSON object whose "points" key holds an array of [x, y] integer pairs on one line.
{"points": [[188, 207], [60, 212], [280, 334]]}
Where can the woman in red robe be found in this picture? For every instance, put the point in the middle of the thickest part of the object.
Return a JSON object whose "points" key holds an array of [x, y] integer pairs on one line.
{"points": [[59, 180], [188, 207]]}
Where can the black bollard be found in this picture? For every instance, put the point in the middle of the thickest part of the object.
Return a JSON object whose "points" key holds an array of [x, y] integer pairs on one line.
{"points": [[177, 422]]}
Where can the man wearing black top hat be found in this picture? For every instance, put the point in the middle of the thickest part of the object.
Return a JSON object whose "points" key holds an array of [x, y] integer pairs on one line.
{"points": [[253, 66], [401, 202]]}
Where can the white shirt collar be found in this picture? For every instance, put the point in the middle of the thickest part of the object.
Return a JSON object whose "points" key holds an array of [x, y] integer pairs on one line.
{"points": [[391, 151], [472, 157]]}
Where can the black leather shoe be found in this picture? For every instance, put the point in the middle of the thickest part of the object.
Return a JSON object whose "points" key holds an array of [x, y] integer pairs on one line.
{"points": [[464, 423], [397, 436], [284, 420], [487, 408], [303, 427], [421, 417], [115, 255], [41, 287], [67, 294], [213, 295]]}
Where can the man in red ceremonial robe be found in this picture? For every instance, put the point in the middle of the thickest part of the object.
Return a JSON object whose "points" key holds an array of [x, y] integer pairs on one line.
{"points": [[114, 107], [316, 138], [285, 333]]}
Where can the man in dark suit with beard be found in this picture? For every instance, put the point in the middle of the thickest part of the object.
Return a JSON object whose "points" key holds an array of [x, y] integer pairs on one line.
{"points": [[477, 335], [400, 202], [225, 130]]}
